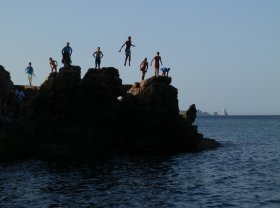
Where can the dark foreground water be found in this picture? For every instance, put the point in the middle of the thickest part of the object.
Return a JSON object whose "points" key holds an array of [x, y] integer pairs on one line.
{"points": [[245, 172]]}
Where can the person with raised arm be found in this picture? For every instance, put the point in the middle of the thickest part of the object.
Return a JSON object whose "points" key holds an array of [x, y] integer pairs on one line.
{"points": [[128, 44]]}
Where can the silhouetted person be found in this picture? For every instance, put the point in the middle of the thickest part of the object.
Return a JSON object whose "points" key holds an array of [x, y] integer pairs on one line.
{"points": [[98, 56], [53, 64], [157, 63], [66, 55], [144, 67], [165, 71], [30, 73], [127, 50]]}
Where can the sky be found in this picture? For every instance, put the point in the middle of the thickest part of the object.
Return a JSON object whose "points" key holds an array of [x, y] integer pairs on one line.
{"points": [[223, 54]]}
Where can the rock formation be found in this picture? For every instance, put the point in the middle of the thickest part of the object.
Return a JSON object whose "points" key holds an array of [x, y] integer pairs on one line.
{"points": [[7, 97], [70, 116]]}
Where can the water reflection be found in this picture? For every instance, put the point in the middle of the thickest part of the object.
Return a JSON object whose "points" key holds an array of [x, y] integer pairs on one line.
{"points": [[116, 182]]}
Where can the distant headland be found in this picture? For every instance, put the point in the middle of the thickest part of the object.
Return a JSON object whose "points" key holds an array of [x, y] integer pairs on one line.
{"points": [[202, 113], [96, 115]]}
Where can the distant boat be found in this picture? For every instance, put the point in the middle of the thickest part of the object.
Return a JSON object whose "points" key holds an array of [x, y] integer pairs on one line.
{"points": [[224, 112]]}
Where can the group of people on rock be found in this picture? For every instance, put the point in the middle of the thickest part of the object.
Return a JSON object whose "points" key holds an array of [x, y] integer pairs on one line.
{"points": [[144, 64], [98, 55]]}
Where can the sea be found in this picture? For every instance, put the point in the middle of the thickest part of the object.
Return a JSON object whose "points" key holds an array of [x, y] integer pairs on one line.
{"points": [[243, 172]]}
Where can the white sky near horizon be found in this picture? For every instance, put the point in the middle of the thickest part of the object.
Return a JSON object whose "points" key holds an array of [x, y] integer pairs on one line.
{"points": [[223, 54]]}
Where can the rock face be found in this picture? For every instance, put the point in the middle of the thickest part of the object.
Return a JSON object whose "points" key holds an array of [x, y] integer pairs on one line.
{"points": [[149, 119], [77, 116], [97, 115], [7, 96], [190, 114], [14, 133]]}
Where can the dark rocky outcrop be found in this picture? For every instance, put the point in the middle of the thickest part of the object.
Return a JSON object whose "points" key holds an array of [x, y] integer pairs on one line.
{"points": [[149, 118], [7, 96], [77, 116], [14, 132], [70, 116]]}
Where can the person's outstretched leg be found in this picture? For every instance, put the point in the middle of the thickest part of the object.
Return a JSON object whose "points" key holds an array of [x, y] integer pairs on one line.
{"points": [[125, 60], [129, 58]]}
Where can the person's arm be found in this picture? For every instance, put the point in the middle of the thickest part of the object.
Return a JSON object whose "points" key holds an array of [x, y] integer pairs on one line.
{"points": [[31, 71], [33, 74], [121, 47], [152, 61], [101, 54], [94, 54], [160, 61], [141, 64]]}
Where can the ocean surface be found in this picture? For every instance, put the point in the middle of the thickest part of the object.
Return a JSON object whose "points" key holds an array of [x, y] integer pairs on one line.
{"points": [[244, 172]]}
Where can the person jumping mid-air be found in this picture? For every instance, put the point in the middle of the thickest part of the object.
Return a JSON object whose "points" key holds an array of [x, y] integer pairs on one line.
{"points": [[127, 50], [144, 68], [98, 56], [30, 73], [53, 64], [158, 61]]}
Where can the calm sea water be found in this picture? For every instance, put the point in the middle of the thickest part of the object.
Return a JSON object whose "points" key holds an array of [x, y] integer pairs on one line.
{"points": [[245, 172]]}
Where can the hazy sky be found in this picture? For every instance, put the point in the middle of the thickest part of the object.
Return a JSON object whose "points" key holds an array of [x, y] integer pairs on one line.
{"points": [[222, 53]]}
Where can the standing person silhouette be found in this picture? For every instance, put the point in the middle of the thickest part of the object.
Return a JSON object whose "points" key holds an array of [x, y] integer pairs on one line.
{"points": [[66, 55], [53, 64], [158, 61], [97, 55], [144, 68], [30, 73], [127, 50]]}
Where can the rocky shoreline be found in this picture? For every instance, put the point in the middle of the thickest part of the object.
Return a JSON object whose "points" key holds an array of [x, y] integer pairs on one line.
{"points": [[69, 116]]}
